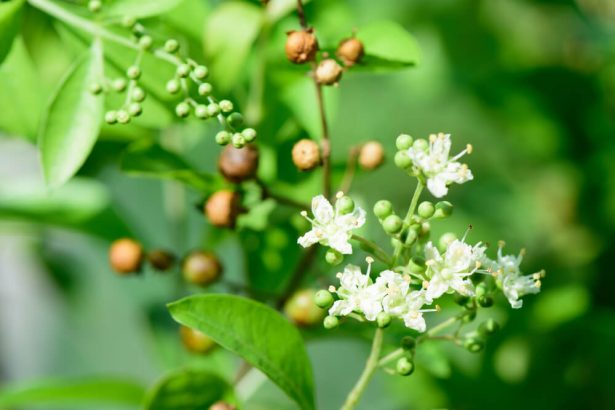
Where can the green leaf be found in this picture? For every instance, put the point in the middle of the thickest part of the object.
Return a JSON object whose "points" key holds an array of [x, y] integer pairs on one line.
{"points": [[10, 18], [387, 46], [256, 332], [153, 161], [139, 8], [73, 120], [229, 33], [65, 392], [186, 390]]}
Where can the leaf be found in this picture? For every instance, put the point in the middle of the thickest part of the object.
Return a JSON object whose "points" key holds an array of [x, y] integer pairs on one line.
{"points": [[73, 120], [139, 8], [10, 18], [259, 334], [387, 46], [229, 33], [187, 390], [153, 161], [73, 391]]}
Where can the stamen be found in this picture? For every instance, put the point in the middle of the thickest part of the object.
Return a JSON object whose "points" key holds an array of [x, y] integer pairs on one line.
{"points": [[538, 284], [332, 289], [432, 138], [369, 261], [339, 275], [470, 227], [425, 284], [501, 244], [469, 148], [304, 214], [438, 309], [522, 252], [339, 194]]}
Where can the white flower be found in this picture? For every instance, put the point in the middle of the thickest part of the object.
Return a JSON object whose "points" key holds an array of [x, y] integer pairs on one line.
{"points": [[449, 272], [413, 317], [513, 283], [357, 293], [438, 168], [330, 227]]}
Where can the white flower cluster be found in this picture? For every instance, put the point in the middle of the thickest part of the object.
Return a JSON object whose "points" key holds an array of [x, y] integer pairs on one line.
{"points": [[438, 168]]}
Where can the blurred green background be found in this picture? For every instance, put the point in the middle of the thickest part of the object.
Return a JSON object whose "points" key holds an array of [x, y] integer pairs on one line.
{"points": [[531, 84]]}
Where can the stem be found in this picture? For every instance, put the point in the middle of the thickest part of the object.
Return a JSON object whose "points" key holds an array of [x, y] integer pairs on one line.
{"points": [[301, 14], [280, 198], [408, 218], [351, 167], [378, 252], [325, 142], [370, 367]]}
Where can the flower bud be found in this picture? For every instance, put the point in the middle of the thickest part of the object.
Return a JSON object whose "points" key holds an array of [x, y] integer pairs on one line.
{"points": [[344, 205], [223, 137], [200, 111], [201, 72], [205, 89], [445, 240], [133, 72], [235, 120], [138, 95], [383, 320], [183, 70], [123, 117], [333, 257], [420, 144], [222, 208], [111, 117], [126, 256], [383, 208], [331, 322], [306, 155], [323, 299], [402, 160], [473, 344], [145, 42], [409, 237], [461, 300], [350, 51], [226, 106], [302, 310], [161, 259], [196, 341], [301, 46], [408, 343], [392, 224], [249, 134], [222, 405], [201, 268], [371, 155], [404, 366], [238, 140], [469, 315], [172, 86], [488, 327], [403, 142], [135, 109], [171, 45], [213, 109], [96, 88], [443, 209], [238, 164], [119, 84], [182, 109], [481, 290], [328, 72], [426, 209]]}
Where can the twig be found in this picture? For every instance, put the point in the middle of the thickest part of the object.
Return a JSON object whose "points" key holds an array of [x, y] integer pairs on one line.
{"points": [[280, 198], [301, 14], [351, 167]]}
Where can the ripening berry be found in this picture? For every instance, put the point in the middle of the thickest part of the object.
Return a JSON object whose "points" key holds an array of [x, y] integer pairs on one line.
{"points": [[172, 86], [133, 72], [145, 42], [222, 405], [402, 160], [371, 155], [383, 320], [201, 72], [205, 89], [96, 88], [226, 106], [238, 140], [111, 117], [94, 6], [182, 109], [323, 299], [201, 111], [350, 51], [333, 257], [306, 155], [126, 256], [123, 117], [301, 46], [135, 109], [201, 268], [183, 70], [213, 109], [328, 72], [119, 84], [160, 259], [171, 46], [238, 164], [426, 209], [302, 310], [235, 120], [138, 95], [249, 134], [223, 138], [403, 142], [443, 209], [383, 208], [331, 322], [196, 341], [404, 366], [222, 208], [392, 224]]}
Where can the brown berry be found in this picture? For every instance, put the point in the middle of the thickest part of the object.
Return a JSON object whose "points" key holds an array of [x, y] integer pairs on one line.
{"points": [[371, 155], [306, 155], [196, 341], [238, 164], [161, 259], [222, 208], [126, 256], [301, 46], [328, 72], [201, 268], [350, 51], [302, 310], [222, 405]]}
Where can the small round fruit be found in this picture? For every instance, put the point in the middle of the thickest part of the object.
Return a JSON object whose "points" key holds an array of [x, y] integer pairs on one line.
{"points": [[138, 95], [383, 208], [404, 366], [213, 109], [235, 120], [301, 46], [201, 268], [222, 208], [302, 310], [196, 341], [183, 70], [126, 256], [133, 72], [145, 42], [392, 224], [323, 299], [160, 259], [201, 72], [238, 164], [331, 322], [403, 142], [182, 109], [171, 45], [111, 117], [226, 105], [426, 209], [223, 138], [249, 134], [402, 160], [408, 343], [306, 155], [200, 111], [205, 89], [238, 140], [371, 155], [350, 51], [123, 117], [443, 209], [135, 109], [172, 86], [345, 205], [328, 72]]}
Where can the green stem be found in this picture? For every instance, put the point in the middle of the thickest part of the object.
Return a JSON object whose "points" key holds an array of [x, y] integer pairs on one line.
{"points": [[377, 251], [370, 367], [408, 219]]}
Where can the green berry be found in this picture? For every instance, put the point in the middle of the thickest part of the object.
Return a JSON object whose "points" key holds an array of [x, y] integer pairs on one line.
{"points": [[135, 109], [172, 86], [119, 84], [383, 208], [445, 240], [485, 301], [426, 209], [138, 95], [392, 224], [323, 299], [96, 88], [111, 117], [123, 117], [402, 160], [383, 320], [94, 6], [171, 46], [345, 205], [235, 120], [133, 72], [182, 109], [488, 327], [249, 134], [417, 264], [333, 257], [403, 142], [145, 42], [213, 109], [205, 89], [420, 144], [473, 344], [183, 70], [129, 21], [404, 366], [331, 322], [443, 209], [226, 106], [223, 137], [201, 72], [201, 111], [238, 140], [408, 343]]}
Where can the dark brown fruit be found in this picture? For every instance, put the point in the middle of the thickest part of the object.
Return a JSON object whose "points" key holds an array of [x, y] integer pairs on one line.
{"points": [[306, 155], [301, 46], [371, 155], [126, 256], [222, 208], [238, 164], [161, 259], [350, 51], [196, 341], [201, 268]]}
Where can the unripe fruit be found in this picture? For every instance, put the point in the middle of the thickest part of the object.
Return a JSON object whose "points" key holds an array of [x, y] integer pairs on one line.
{"points": [[443, 209], [383, 208], [123, 117], [371, 155], [172, 86], [426, 209], [183, 70], [196, 341], [238, 164], [392, 224], [402, 160], [128, 21], [302, 310], [403, 142], [201, 268], [331, 322], [238, 140], [473, 344], [328, 72], [249, 134], [226, 106], [126, 256], [205, 89], [222, 405], [350, 51], [301, 46], [306, 155], [138, 95], [201, 72], [383, 320], [133, 72], [323, 299], [222, 208], [223, 137], [345, 205], [161, 259], [171, 46], [333, 257], [182, 109], [235, 120], [404, 366]]}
